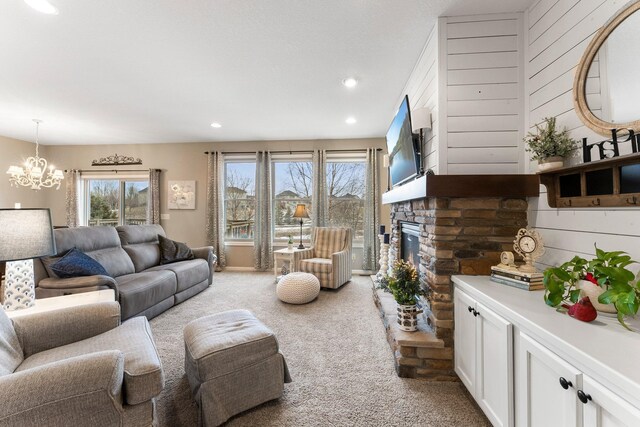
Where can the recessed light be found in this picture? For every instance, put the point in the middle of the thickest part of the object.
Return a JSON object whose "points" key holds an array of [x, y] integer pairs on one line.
{"points": [[350, 82], [216, 125], [350, 120], [42, 6]]}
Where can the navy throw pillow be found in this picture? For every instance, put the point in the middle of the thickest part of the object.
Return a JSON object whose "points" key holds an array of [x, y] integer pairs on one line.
{"points": [[76, 263], [172, 251]]}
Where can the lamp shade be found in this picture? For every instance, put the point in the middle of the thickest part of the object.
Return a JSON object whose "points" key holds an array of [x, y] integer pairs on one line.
{"points": [[421, 119], [25, 233], [301, 211]]}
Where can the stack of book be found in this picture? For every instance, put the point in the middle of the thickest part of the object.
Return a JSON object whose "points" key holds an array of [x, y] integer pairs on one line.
{"points": [[517, 279]]}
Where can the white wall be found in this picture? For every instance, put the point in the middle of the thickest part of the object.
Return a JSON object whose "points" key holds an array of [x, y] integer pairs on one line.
{"points": [[558, 33], [482, 94], [422, 89]]}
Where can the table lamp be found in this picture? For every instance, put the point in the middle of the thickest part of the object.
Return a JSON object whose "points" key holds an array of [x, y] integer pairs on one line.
{"points": [[24, 234], [301, 212]]}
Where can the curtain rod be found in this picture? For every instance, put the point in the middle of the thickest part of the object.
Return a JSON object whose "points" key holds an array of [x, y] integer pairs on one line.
{"points": [[112, 170], [287, 151]]}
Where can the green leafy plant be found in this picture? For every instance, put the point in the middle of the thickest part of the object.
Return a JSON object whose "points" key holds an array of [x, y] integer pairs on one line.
{"points": [[607, 270], [290, 242], [404, 283], [547, 141]]}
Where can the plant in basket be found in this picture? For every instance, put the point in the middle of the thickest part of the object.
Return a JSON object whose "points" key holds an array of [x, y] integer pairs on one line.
{"points": [[404, 284], [610, 286]]}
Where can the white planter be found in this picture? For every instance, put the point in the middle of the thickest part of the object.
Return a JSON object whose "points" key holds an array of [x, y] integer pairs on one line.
{"points": [[588, 289], [290, 246], [550, 163], [408, 317]]}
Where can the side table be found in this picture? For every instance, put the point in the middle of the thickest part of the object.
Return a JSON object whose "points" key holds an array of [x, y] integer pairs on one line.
{"points": [[55, 303], [285, 256]]}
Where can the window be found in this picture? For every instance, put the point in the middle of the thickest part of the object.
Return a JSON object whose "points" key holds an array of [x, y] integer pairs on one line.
{"points": [[345, 190], [292, 184], [239, 199], [116, 201]]}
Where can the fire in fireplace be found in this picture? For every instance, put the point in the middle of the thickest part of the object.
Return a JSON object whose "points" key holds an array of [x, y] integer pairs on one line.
{"points": [[410, 243]]}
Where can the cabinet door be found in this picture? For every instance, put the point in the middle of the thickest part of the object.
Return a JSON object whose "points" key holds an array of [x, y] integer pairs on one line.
{"points": [[542, 400], [465, 339], [605, 409], [494, 368]]}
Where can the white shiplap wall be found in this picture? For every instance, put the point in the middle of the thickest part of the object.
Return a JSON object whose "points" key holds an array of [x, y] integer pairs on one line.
{"points": [[482, 91], [558, 32], [422, 88]]}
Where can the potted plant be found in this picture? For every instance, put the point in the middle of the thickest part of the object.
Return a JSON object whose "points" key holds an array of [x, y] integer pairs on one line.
{"points": [[549, 146], [290, 243], [404, 284], [605, 280]]}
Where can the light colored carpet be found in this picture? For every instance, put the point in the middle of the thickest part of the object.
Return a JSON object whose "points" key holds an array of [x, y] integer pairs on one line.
{"points": [[336, 349]]}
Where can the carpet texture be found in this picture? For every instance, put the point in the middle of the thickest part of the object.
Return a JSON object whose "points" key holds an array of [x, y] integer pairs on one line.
{"points": [[336, 349]]}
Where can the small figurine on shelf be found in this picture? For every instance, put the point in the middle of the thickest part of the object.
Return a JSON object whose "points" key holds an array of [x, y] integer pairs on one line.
{"points": [[290, 243]]}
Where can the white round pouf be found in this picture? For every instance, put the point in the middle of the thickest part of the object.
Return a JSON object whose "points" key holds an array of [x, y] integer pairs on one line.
{"points": [[298, 288]]}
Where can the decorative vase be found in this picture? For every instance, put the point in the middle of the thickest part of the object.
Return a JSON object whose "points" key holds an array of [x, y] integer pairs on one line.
{"points": [[550, 163], [290, 246], [593, 291], [408, 317]]}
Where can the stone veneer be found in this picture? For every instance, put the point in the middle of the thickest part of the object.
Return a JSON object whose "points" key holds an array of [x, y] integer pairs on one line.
{"points": [[457, 236]]}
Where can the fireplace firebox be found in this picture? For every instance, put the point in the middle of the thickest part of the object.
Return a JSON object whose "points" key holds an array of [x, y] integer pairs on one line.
{"points": [[410, 243]]}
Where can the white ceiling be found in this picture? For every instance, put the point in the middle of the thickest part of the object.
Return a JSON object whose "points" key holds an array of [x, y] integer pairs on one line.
{"points": [[152, 71]]}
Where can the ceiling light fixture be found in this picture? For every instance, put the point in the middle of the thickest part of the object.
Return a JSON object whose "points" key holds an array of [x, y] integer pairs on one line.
{"points": [[42, 6], [350, 82], [216, 125], [350, 120], [32, 173]]}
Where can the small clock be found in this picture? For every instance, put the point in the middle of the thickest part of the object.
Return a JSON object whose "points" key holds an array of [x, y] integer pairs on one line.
{"points": [[507, 261], [528, 243]]}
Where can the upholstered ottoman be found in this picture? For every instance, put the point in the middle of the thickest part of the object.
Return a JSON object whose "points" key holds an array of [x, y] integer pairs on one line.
{"points": [[233, 364], [298, 288]]}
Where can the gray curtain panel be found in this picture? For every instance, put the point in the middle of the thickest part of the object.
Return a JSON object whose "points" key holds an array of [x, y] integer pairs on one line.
{"points": [[371, 212], [262, 249], [215, 208], [72, 205], [319, 200], [153, 200]]}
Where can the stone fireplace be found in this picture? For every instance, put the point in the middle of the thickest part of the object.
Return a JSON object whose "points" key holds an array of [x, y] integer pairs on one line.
{"points": [[455, 235]]}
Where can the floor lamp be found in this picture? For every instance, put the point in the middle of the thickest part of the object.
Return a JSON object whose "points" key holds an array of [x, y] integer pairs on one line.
{"points": [[26, 234], [301, 213]]}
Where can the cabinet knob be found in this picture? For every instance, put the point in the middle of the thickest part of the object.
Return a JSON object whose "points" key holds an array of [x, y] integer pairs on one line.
{"points": [[470, 309], [584, 397], [475, 313], [565, 384]]}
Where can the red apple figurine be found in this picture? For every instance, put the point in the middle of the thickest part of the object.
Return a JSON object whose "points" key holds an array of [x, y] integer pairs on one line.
{"points": [[582, 310]]}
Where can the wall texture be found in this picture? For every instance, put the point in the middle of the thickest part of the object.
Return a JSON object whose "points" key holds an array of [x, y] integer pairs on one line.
{"points": [[187, 161], [558, 32]]}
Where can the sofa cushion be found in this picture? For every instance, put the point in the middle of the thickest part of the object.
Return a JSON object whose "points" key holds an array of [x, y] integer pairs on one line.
{"points": [[188, 273], [76, 264], [143, 376], [141, 243], [140, 291], [172, 251], [10, 350], [316, 265], [100, 243], [329, 241]]}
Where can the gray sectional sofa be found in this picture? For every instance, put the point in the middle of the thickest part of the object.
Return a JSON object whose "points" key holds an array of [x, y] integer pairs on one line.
{"points": [[131, 256]]}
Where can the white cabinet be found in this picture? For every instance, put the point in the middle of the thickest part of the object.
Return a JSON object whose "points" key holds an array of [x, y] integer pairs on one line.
{"points": [[602, 408], [546, 388], [483, 357]]}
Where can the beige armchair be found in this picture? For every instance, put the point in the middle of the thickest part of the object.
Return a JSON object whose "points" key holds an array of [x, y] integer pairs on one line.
{"points": [[78, 367], [330, 257]]}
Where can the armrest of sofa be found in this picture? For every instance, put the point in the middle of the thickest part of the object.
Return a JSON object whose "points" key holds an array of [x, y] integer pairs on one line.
{"points": [[79, 282], [42, 331], [206, 253], [73, 390], [341, 265]]}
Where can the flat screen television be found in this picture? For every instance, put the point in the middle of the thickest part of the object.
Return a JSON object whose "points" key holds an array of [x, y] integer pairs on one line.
{"points": [[404, 158]]}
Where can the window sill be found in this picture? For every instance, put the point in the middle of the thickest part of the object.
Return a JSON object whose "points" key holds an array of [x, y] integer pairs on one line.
{"points": [[280, 245]]}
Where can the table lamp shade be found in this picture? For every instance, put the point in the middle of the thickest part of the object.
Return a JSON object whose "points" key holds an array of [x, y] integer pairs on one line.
{"points": [[301, 211], [25, 234]]}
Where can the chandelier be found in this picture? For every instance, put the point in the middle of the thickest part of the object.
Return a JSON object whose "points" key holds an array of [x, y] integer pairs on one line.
{"points": [[34, 172]]}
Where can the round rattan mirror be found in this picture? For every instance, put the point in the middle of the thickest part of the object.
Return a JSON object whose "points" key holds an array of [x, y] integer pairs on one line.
{"points": [[606, 87]]}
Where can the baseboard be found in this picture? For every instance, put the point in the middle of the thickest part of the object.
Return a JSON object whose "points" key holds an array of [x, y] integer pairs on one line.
{"points": [[239, 269]]}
